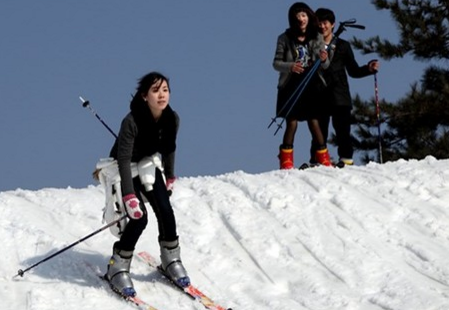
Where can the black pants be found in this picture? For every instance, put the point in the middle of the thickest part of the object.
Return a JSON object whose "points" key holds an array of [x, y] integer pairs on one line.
{"points": [[341, 121], [162, 208]]}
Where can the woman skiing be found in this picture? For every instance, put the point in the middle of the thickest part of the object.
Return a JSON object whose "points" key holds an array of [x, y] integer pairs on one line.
{"points": [[145, 146], [297, 50]]}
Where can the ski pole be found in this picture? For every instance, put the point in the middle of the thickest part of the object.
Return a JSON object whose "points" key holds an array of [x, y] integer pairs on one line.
{"points": [[376, 92], [21, 272], [299, 89], [296, 95], [86, 104]]}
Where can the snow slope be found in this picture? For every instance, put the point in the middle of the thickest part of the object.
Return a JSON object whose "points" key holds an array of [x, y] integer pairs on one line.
{"points": [[370, 237]]}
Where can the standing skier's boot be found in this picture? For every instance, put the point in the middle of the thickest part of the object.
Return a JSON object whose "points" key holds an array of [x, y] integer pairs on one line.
{"points": [[285, 156], [347, 161], [171, 262], [322, 157], [118, 272]]}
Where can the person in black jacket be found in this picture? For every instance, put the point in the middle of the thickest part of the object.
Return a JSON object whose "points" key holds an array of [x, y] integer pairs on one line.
{"points": [[337, 94], [145, 145]]}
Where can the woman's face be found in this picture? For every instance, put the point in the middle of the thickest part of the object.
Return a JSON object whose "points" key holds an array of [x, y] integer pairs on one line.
{"points": [[158, 96], [303, 20]]}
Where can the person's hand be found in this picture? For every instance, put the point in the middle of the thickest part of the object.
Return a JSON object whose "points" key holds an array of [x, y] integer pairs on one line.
{"points": [[297, 67], [132, 205], [323, 55], [170, 184], [373, 65]]}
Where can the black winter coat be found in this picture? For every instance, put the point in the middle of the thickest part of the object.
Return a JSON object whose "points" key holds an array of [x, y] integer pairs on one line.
{"points": [[342, 62]]}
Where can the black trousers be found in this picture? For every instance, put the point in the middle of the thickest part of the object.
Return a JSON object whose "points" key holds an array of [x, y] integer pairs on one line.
{"points": [[162, 208], [341, 121]]}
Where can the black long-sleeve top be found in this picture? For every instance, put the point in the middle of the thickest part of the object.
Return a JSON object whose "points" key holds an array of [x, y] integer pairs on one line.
{"points": [[140, 136]]}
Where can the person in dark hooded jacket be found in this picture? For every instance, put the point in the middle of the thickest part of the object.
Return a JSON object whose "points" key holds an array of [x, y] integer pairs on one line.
{"points": [[145, 144], [336, 95], [297, 50]]}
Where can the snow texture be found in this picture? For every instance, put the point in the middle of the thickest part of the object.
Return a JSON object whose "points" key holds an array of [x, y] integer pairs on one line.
{"points": [[372, 237]]}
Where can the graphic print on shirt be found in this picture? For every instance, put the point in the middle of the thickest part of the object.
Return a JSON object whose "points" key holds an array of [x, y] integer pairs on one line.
{"points": [[302, 55]]}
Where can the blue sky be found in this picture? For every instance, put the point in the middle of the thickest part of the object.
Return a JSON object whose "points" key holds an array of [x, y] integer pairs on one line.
{"points": [[217, 54]]}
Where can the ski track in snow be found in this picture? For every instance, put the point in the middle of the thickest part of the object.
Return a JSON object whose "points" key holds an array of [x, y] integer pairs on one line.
{"points": [[370, 237]]}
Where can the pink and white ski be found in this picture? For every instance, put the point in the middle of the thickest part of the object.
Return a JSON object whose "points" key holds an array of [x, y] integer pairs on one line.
{"points": [[190, 290]]}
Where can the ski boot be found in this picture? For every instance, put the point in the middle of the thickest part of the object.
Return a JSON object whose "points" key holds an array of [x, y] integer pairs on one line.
{"points": [[323, 158], [285, 156], [118, 272], [345, 162], [171, 263]]}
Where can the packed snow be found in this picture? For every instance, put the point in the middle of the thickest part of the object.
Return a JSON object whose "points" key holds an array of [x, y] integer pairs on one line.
{"points": [[372, 237]]}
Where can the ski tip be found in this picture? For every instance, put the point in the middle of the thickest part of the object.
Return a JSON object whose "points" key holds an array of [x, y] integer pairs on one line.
{"points": [[307, 165], [340, 164], [304, 166]]}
